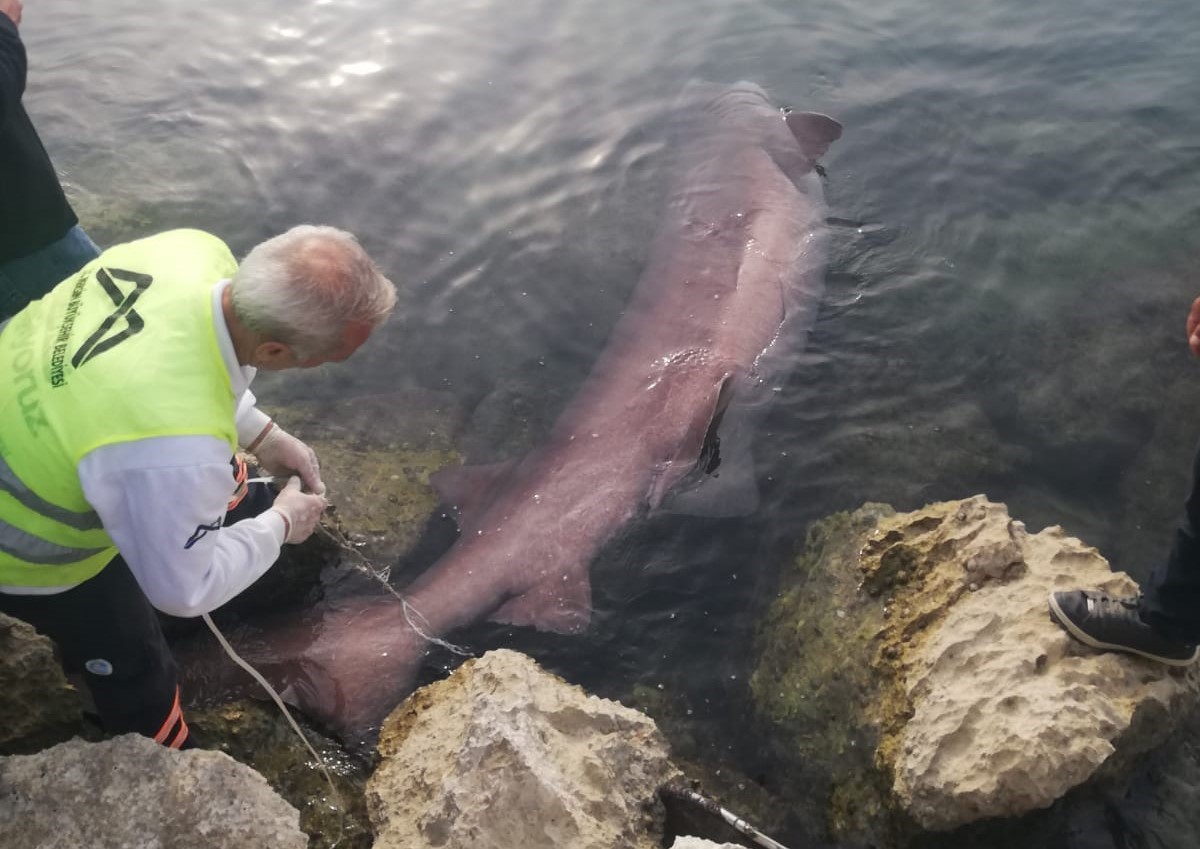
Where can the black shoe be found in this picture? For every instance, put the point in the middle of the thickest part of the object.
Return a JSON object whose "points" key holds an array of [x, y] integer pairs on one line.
{"points": [[1104, 622]]}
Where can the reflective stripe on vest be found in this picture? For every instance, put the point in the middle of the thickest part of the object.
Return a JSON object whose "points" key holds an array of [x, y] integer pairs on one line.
{"points": [[125, 350], [16, 543], [10, 483]]}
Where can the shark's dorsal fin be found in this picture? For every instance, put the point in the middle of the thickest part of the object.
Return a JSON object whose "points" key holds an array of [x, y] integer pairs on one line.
{"points": [[815, 132], [466, 487]]}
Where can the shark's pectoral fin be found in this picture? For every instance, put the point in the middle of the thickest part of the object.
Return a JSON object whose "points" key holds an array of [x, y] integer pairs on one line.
{"points": [[701, 452], [731, 489], [722, 481], [561, 603], [815, 132], [466, 487]]}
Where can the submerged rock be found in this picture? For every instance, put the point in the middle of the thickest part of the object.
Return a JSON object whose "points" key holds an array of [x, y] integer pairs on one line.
{"points": [[377, 453], [503, 755], [925, 638], [813, 681], [256, 733], [130, 791]]}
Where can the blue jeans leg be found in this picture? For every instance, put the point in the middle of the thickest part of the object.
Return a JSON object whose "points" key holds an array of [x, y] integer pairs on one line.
{"points": [[29, 277], [1171, 598]]}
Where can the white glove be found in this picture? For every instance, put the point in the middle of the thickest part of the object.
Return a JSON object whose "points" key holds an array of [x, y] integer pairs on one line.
{"points": [[280, 453], [300, 510]]}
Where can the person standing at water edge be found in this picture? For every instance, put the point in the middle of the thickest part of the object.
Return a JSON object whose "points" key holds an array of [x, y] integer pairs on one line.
{"points": [[1163, 622], [124, 393], [41, 241]]}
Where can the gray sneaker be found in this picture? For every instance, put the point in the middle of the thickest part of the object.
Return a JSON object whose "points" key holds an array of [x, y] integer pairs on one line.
{"points": [[1104, 622]]}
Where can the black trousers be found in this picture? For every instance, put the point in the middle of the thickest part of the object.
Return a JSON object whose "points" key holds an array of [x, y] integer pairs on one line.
{"points": [[1171, 598], [108, 633]]}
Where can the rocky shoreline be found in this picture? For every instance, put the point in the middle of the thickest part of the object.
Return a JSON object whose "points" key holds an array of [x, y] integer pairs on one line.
{"points": [[912, 687]]}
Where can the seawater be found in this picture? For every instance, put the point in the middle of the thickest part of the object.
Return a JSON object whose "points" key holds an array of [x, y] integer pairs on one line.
{"points": [[1018, 194]]}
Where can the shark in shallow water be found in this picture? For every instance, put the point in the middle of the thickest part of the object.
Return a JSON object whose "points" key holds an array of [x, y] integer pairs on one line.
{"points": [[725, 302]]}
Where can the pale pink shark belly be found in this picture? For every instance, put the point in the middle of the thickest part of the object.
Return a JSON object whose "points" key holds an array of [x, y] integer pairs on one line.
{"points": [[731, 286]]}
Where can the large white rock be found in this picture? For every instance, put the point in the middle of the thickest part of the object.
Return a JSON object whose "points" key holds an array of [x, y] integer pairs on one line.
{"points": [[701, 843], [1007, 711], [132, 792], [503, 755]]}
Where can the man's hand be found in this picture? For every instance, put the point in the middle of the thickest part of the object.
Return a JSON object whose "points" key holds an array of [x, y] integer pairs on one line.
{"points": [[280, 453], [300, 511], [1193, 327], [13, 9]]}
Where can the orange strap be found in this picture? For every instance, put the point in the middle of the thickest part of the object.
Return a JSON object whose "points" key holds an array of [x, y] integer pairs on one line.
{"points": [[175, 716], [240, 487], [181, 736]]}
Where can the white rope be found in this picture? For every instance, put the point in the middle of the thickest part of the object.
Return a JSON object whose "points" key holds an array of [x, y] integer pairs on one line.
{"points": [[381, 575], [257, 676], [410, 613]]}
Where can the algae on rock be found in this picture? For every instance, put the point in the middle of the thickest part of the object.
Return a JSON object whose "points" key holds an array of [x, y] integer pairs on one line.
{"points": [[38, 708], [813, 681], [256, 734], [924, 639], [376, 463]]}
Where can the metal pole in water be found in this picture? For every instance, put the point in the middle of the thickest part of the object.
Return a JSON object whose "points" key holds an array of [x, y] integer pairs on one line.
{"points": [[736, 822]]}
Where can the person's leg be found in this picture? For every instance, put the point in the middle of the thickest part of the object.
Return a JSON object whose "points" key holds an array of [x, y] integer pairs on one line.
{"points": [[108, 633], [1163, 623], [29, 277], [1170, 600]]}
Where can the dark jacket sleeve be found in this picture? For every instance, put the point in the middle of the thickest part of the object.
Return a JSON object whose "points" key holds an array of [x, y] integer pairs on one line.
{"points": [[12, 69]]}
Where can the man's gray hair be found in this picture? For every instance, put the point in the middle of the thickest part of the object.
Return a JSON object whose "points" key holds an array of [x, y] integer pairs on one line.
{"points": [[304, 286]]}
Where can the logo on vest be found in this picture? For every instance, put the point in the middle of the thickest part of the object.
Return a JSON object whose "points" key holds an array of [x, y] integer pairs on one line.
{"points": [[59, 352], [104, 339], [25, 385]]}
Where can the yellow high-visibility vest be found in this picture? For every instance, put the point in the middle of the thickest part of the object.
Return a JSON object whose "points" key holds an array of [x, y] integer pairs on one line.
{"points": [[124, 350]]}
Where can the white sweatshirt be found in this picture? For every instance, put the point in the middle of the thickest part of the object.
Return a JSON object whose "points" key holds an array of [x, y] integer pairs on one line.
{"points": [[162, 501]]}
